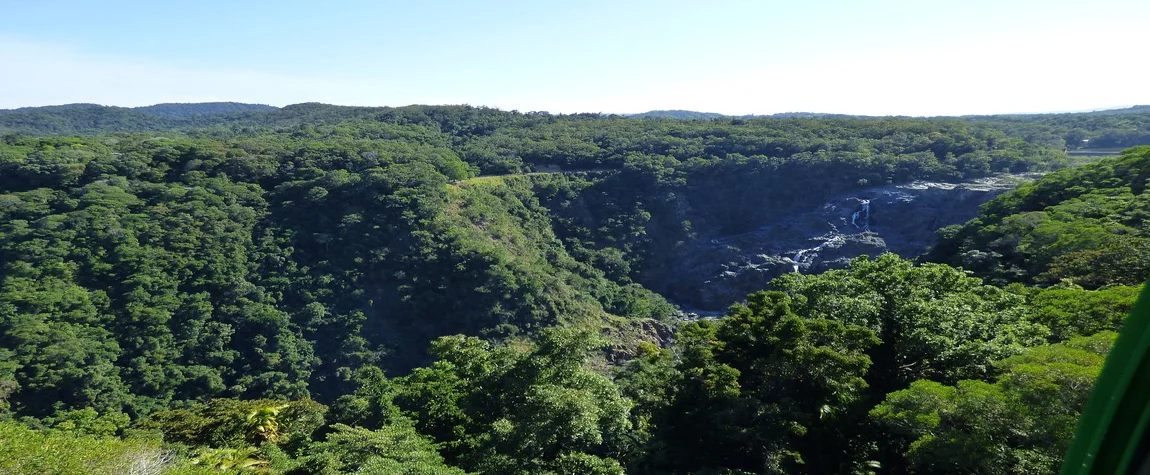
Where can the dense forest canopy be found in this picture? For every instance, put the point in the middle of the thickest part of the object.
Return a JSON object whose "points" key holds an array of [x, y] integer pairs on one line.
{"points": [[321, 289], [1086, 224], [1100, 129]]}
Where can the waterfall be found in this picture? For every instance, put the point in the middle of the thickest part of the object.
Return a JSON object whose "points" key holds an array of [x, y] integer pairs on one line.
{"points": [[864, 212], [798, 259]]}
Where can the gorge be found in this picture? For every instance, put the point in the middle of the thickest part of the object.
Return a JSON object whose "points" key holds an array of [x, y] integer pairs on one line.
{"points": [[901, 219]]}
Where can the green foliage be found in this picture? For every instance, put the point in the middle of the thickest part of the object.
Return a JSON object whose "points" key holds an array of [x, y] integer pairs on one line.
{"points": [[242, 460], [274, 253], [784, 383], [395, 449], [92, 118], [1070, 311], [649, 380], [202, 282], [1085, 224], [934, 321], [516, 409], [88, 421], [239, 423], [27, 451], [8, 384], [764, 391], [1020, 424]]}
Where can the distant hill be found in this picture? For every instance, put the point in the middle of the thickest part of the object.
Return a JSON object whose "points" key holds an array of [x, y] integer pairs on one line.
{"points": [[1124, 110], [94, 118], [678, 114], [810, 115], [1139, 109], [695, 115], [182, 110], [172, 109], [1115, 128], [88, 119]]}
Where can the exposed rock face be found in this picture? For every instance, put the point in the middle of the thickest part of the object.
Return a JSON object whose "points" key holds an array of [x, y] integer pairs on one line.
{"points": [[894, 218], [628, 336]]}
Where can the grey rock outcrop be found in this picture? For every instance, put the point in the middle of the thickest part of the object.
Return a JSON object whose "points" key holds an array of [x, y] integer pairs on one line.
{"points": [[902, 219]]}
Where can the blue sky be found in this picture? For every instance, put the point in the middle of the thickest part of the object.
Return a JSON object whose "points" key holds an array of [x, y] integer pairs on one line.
{"points": [[863, 57]]}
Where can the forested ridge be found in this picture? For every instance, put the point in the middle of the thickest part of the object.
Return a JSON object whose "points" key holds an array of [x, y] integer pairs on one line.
{"points": [[320, 289], [1087, 224]]}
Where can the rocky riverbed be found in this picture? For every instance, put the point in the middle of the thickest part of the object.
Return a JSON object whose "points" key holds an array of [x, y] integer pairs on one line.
{"points": [[893, 218]]}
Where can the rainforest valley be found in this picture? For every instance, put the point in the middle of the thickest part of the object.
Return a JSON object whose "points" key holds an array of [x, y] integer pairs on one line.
{"points": [[314, 289]]}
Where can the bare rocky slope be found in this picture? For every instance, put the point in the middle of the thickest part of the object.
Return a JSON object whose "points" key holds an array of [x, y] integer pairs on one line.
{"points": [[901, 219]]}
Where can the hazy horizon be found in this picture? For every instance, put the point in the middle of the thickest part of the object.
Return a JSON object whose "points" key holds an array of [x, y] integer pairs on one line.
{"points": [[672, 109], [728, 57]]}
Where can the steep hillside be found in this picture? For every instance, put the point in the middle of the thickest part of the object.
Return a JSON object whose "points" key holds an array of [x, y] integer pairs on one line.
{"points": [[1086, 224]]}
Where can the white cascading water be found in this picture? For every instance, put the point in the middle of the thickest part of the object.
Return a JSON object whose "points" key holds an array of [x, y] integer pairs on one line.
{"points": [[859, 219], [798, 259], [865, 214]]}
